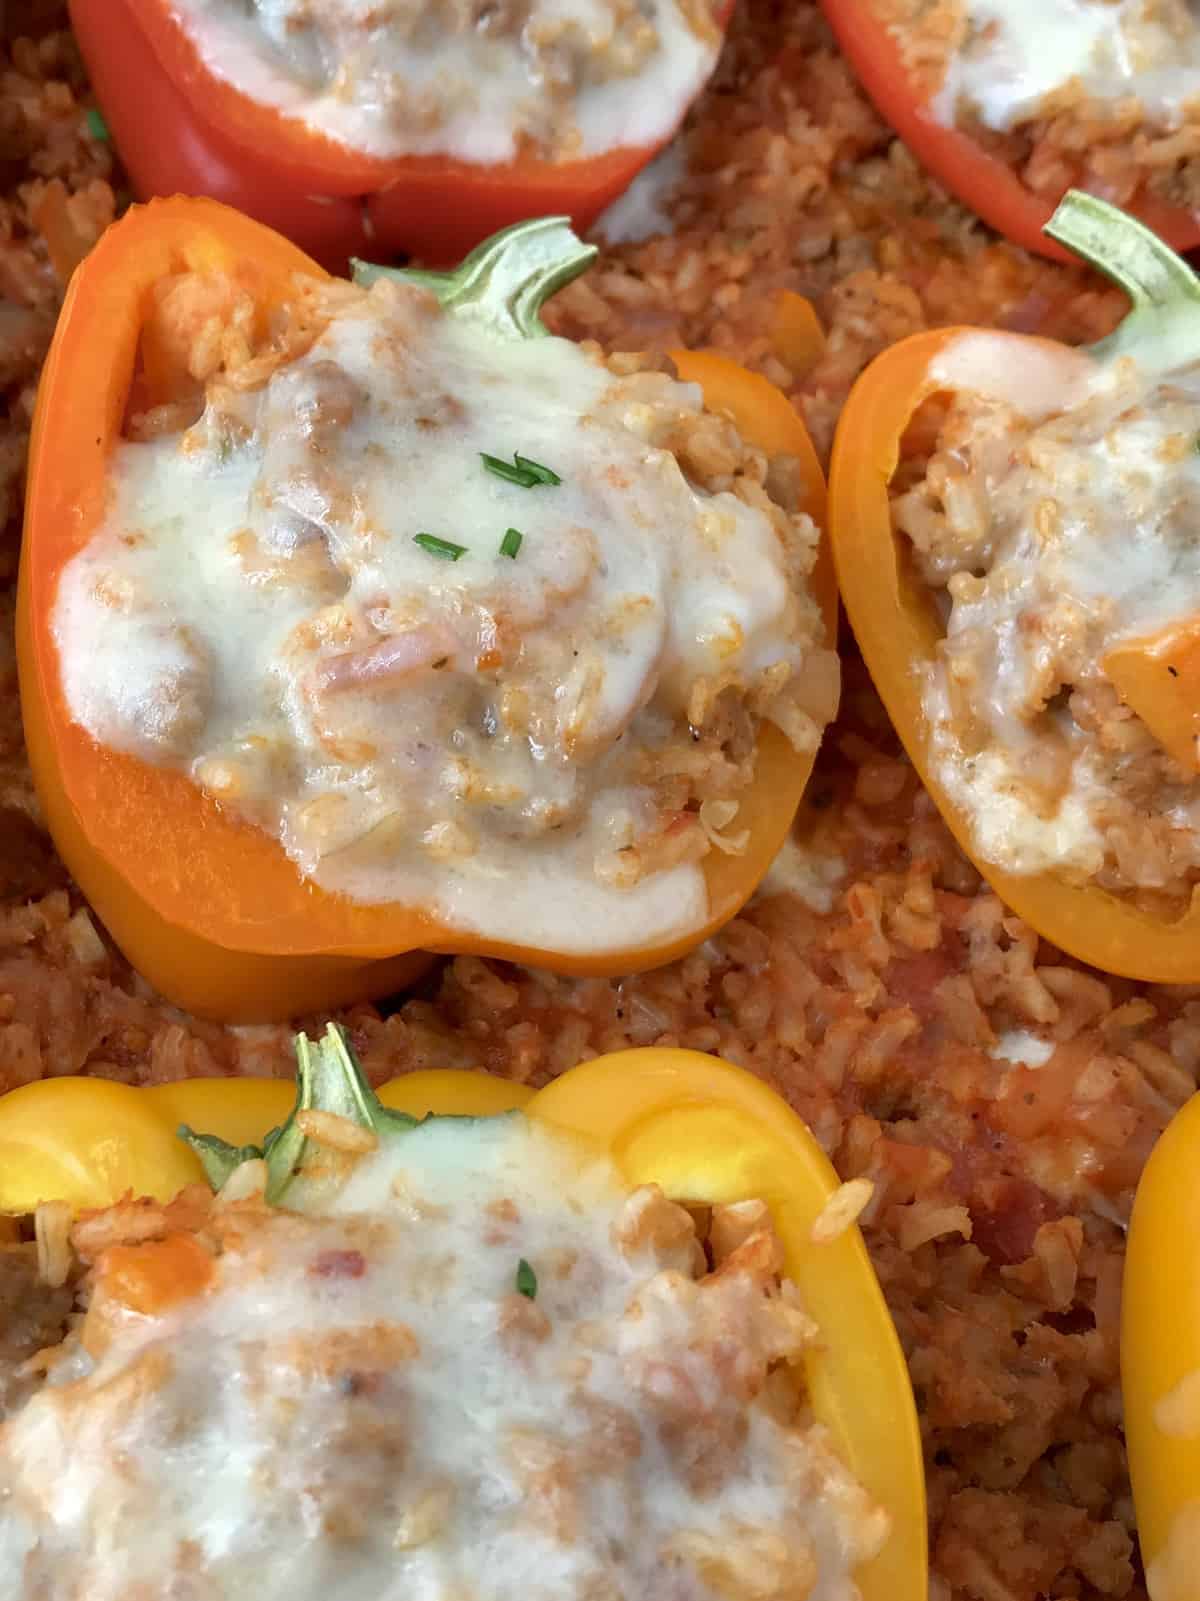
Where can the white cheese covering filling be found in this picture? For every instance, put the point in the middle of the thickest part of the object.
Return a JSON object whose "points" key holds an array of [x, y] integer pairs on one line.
{"points": [[475, 79], [1014, 54], [645, 208], [478, 735], [361, 1405], [1061, 520]]}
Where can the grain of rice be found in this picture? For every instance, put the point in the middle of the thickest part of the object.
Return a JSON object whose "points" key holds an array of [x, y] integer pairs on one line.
{"points": [[52, 1231], [248, 1179], [337, 1133], [842, 1210]]}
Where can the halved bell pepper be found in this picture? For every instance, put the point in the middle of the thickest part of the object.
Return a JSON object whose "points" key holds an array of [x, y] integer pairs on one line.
{"points": [[973, 174], [1160, 1359], [209, 909], [181, 129], [894, 615], [703, 1130]]}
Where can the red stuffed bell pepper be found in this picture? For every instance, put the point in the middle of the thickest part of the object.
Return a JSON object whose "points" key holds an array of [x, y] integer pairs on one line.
{"points": [[356, 137], [1016, 101]]}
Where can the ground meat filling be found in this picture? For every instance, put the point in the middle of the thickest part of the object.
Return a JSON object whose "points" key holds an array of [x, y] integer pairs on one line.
{"points": [[34, 1313], [1077, 93], [1046, 544]]}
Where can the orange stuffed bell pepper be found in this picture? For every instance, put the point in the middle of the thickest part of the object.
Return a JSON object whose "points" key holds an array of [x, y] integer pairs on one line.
{"points": [[360, 621], [1016, 152], [1014, 544], [363, 137], [697, 1128]]}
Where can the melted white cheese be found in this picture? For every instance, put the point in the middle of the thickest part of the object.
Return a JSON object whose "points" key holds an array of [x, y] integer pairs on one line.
{"points": [[812, 875], [362, 1406], [643, 210], [1018, 52], [1020, 1046], [1086, 481], [462, 734], [472, 80]]}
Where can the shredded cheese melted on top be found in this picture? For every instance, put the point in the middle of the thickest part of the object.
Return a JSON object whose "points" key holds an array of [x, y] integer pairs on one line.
{"points": [[363, 1403], [481, 80], [531, 708]]}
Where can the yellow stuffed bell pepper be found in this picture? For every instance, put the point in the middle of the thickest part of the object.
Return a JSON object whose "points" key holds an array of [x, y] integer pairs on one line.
{"points": [[1160, 1359], [703, 1131]]}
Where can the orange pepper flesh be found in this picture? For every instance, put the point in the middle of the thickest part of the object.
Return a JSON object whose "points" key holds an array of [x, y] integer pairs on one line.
{"points": [[146, 1280], [898, 631], [156, 1274], [180, 128], [1159, 679], [981, 180], [797, 337], [209, 909]]}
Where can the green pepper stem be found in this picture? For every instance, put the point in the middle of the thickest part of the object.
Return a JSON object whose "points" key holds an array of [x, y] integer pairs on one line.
{"points": [[329, 1078], [505, 281], [1163, 326]]}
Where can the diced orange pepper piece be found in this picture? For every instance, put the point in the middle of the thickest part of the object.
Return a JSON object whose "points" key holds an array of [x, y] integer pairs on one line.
{"points": [[1159, 678], [151, 1277], [145, 1280], [797, 337]]}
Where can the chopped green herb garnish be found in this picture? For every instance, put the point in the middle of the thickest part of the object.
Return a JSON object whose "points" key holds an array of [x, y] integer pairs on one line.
{"points": [[542, 475], [511, 543], [97, 126], [521, 471], [445, 548], [526, 1280]]}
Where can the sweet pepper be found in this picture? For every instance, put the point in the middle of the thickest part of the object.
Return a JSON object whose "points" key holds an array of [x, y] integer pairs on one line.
{"points": [[977, 176], [896, 621], [180, 128], [209, 909], [703, 1130]]}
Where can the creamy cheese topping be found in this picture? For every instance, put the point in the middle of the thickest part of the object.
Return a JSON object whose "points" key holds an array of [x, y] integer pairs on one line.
{"points": [[801, 868], [1022, 1047], [509, 737], [481, 80], [1014, 55], [1052, 528], [644, 209], [362, 1405]]}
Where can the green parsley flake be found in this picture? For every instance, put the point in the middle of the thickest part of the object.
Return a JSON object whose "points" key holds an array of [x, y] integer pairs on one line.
{"points": [[511, 543], [521, 471], [97, 126], [526, 1280], [445, 548]]}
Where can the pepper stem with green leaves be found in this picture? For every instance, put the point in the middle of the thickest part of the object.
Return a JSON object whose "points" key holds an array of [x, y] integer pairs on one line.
{"points": [[329, 1078], [504, 282]]}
